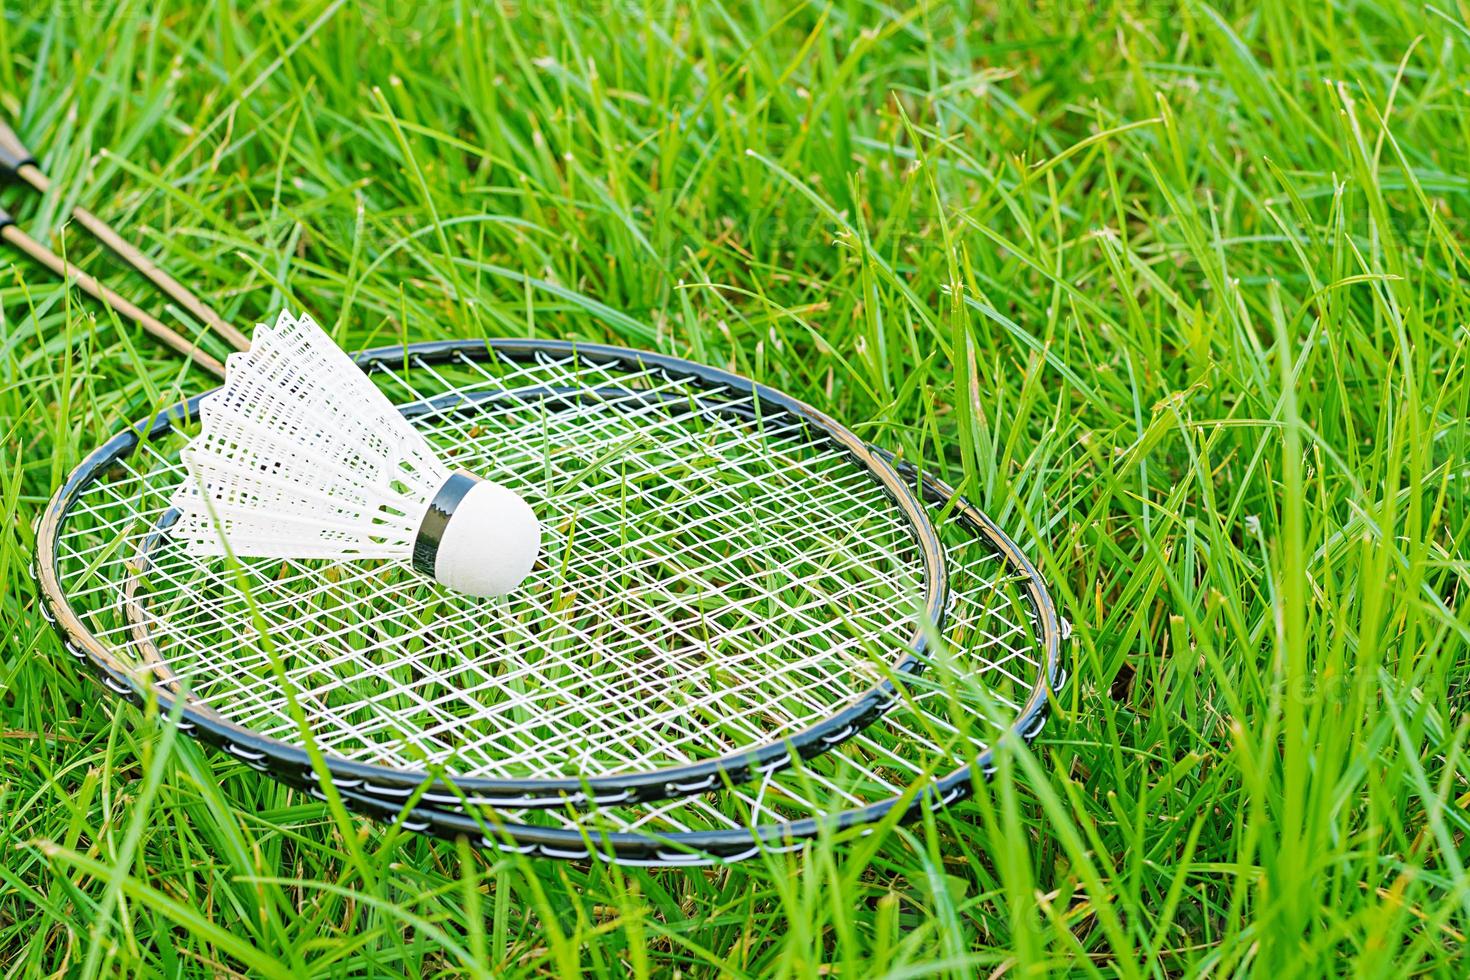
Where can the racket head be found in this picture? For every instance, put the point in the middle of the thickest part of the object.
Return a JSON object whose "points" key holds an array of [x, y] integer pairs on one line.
{"points": [[1003, 668], [103, 549]]}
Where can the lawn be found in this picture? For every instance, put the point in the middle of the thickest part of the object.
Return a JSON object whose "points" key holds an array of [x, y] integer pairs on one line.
{"points": [[1176, 293]]}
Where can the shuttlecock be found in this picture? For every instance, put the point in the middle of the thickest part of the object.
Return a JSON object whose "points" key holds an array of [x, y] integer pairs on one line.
{"points": [[301, 456]]}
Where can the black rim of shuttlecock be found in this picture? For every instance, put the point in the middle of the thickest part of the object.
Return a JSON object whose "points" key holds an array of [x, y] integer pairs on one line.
{"points": [[393, 785]]}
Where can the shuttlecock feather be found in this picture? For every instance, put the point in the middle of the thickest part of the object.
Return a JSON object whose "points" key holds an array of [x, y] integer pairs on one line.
{"points": [[301, 456]]}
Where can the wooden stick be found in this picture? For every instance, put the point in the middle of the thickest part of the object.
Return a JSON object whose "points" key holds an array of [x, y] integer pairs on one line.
{"points": [[17, 160], [13, 234], [129, 254]]}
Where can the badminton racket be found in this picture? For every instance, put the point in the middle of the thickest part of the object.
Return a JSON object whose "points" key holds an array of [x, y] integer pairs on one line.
{"points": [[731, 581], [997, 671]]}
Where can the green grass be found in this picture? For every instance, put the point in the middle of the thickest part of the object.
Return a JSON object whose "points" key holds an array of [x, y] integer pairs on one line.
{"points": [[1178, 294]]}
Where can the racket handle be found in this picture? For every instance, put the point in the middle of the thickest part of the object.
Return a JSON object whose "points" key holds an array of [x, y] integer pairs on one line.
{"points": [[89, 285], [13, 153]]}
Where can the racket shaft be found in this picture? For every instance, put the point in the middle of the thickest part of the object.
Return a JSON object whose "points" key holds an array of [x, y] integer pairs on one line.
{"points": [[92, 287], [170, 286]]}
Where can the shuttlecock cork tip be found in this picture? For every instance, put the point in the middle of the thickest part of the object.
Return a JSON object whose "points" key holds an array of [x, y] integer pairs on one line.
{"points": [[477, 537]]}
